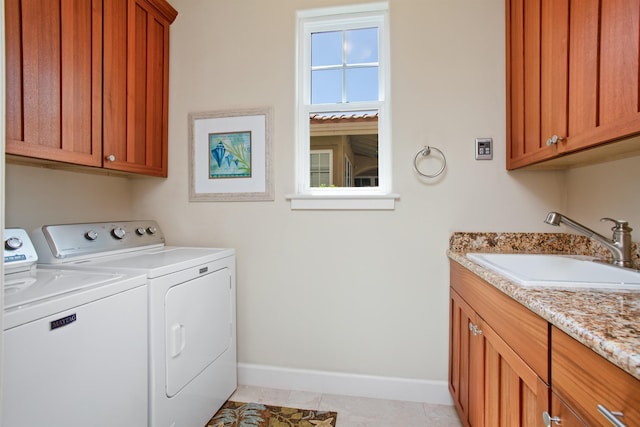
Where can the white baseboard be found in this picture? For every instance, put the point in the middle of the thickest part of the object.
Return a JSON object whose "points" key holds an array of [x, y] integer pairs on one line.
{"points": [[389, 388]]}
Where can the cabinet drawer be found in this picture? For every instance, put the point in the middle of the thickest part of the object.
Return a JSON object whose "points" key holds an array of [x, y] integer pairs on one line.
{"points": [[526, 332], [584, 380]]}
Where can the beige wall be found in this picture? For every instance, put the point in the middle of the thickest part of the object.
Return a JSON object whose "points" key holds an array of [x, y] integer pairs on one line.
{"points": [[350, 291], [607, 190], [358, 292], [38, 196]]}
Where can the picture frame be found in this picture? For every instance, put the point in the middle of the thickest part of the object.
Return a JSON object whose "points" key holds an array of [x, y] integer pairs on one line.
{"points": [[230, 155]]}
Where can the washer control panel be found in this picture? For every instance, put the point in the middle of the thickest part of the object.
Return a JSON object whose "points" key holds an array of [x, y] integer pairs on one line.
{"points": [[65, 242], [19, 253]]}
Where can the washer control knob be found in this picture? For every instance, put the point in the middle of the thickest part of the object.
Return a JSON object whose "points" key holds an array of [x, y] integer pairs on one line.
{"points": [[91, 235], [118, 233], [140, 231], [152, 230], [12, 243]]}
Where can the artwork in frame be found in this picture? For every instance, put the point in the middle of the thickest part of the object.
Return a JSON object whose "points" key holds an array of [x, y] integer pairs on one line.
{"points": [[230, 155]]}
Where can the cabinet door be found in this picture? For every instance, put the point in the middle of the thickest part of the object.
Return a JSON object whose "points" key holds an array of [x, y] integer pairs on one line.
{"points": [[537, 72], [573, 71], [465, 362], [136, 76], [54, 80], [514, 395], [561, 411], [604, 97]]}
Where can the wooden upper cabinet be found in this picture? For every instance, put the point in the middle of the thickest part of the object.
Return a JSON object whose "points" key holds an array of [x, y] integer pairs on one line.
{"points": [[604, 76], [136, 85], [572, 72], [537, 46], [88, 81], [53, 80]]}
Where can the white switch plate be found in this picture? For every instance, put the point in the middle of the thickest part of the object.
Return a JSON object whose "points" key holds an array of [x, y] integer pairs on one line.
{"points": [[484, 148]]}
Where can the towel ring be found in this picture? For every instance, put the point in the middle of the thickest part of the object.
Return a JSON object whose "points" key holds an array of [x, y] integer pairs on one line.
{"points": [[425, 152]]}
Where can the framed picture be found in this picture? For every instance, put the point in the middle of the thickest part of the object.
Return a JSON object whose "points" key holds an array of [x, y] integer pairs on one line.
{"points": [[230, 155]]}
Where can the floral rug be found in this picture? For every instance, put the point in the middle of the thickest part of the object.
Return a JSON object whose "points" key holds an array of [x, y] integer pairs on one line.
{"points": [[238, 414]]}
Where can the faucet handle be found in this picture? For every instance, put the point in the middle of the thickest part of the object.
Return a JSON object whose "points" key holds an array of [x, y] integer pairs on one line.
{"points": [[620, 225]]}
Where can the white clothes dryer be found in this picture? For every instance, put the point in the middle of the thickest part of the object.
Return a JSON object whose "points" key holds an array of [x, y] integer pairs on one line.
{"points": [[192, 310], [75, 347]]}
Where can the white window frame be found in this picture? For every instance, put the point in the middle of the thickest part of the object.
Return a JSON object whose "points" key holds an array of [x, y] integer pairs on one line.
{"points": [[335, 19]]}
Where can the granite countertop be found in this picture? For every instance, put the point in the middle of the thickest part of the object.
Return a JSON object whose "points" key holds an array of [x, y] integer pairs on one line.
{"points": [[607, 321]]}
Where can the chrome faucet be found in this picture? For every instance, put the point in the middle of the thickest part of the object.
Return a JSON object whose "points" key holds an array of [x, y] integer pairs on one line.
{"points": [[619, 245]]}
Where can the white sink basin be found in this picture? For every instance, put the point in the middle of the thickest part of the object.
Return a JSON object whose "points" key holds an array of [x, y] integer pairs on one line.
{"points": [[558, 271]]}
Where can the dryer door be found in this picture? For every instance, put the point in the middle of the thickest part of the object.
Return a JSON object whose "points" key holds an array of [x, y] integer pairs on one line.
{"points": [[198, 326]]}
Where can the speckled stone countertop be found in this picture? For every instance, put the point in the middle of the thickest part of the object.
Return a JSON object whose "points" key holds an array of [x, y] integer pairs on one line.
{"points": [[604, 320]]}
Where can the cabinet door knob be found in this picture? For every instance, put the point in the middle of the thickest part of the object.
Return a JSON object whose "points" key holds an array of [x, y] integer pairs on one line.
{"points": [[474, 329], [554, 140], [548, 419], [111, 158], [612, 416]]}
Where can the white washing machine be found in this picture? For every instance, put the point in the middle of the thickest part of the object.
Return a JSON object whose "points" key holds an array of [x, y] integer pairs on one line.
{"points": [[75, 348], [192, 309]]}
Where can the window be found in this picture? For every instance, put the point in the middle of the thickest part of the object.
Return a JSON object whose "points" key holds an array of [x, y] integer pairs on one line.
{"points": [[343, 106], [321, 166], [366, 181]]}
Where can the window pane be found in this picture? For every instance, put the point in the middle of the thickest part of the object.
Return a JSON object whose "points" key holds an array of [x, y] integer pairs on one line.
{"points": [[326, 86], [326, 48], [354, 135], [362, 84], [362, 46], [320, 175]]}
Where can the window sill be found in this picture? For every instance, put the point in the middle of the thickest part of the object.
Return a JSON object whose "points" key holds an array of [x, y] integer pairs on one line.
{"points": [[343, 201]]}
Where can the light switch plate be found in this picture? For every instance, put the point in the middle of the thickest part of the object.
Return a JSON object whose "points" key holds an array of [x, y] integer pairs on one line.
{"points": [[484, 148]]}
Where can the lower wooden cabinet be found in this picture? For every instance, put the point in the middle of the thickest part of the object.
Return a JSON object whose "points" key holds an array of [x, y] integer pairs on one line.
{"points": [[491, 383], [509, 367], [561, 414], [591, 385], [513, 394], [466, 362]]}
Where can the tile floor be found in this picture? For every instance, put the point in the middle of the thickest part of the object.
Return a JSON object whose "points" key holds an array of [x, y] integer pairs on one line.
{"points": [[355, 411]]}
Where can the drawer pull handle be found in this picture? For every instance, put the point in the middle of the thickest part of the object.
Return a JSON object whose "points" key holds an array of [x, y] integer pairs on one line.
{"points": [[547, 419], [611, 416]]}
